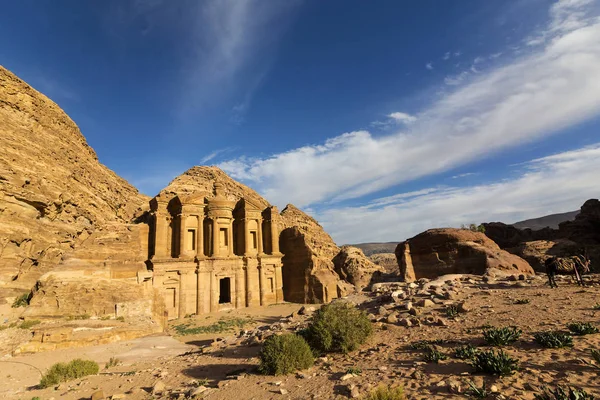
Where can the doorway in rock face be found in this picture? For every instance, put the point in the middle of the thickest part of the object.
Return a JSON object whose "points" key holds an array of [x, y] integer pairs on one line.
{"points": [[224, 290], [171, 303]]}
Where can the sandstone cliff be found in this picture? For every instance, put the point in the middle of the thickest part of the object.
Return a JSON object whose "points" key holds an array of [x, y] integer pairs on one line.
{"points": [[444, 251], [54, 192]]}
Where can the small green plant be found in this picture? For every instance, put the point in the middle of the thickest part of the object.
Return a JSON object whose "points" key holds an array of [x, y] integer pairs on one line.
{"points": [[582, 328], [465, 352], [220, 326], [201, 382], [354, 371], [434, 355], [596, 307], [121, 318], [494, 363], [522, 301], [112, 362], [477, 392], [501, 336], [338, 327], [283, 354], [63, 372], [21, 301], [386, 393], [105, 318], [560, 393], [28, 324], [451, 311], [554, 340], [36, 398], [78, 317]]}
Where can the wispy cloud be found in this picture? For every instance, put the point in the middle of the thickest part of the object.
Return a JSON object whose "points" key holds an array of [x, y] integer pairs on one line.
{"points": [[466, 174], [429, 66], [214, 154], [557, 183], [523, 100], [402, 117]]}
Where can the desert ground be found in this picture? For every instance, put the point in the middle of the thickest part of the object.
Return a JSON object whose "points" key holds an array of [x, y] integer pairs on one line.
{"points": [[222, 365]]}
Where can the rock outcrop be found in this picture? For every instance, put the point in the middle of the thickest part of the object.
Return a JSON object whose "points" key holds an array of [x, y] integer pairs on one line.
{"points": [[454, 251], [353, 266], [54, 192], [387, 261], [308, 270]]}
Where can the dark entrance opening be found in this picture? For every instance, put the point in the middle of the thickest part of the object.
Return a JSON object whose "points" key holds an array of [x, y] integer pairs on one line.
{"points": [[224, 290]]}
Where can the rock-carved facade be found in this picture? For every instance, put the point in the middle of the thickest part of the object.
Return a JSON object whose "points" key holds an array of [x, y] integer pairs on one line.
{"points": [[208, 253]]}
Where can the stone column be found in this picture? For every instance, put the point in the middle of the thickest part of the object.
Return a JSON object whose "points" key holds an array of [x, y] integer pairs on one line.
{"points": [[274, 235], [246, 238], [230, 235], [200, 238], [160, 235], [214, 293], [182, 234], [259, 238], [199, 298], [181, 296], [278, 284], [216, 246], [239, 284], [262, 284]]}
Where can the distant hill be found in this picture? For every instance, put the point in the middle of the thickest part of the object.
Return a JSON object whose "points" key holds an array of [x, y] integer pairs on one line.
{"points": [[376, 248], [551, 221]]}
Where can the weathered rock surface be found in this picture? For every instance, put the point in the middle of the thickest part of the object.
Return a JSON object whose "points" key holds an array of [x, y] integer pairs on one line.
{"points": [[387, 261], [53, 190], [536, 252], [308, 270], [454, 251], [353, 266]]}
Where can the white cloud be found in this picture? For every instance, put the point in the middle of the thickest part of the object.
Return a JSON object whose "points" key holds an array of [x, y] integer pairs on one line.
{"points": [[548, 185], [402, 117], [214, 154], [466, 174], [429, 66], [446, 56], [527, 99]]}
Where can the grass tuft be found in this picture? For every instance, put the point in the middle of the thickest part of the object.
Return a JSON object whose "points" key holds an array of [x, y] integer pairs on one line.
{"points": [[554, 340], [560, 393], [223, 325], [21, 301], [28, 324], [522, 301], [582, 328], [494, 363], [465, 352], [386, 393]]}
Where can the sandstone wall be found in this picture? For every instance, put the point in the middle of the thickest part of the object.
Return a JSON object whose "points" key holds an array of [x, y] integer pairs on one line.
{"points": [[354, 267]]}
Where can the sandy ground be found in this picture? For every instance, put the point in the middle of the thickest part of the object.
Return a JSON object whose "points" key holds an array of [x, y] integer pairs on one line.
{"points": [[227, 367]]}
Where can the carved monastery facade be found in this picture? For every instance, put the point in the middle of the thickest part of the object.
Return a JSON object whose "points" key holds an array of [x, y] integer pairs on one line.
{"points": [[208, 253]]}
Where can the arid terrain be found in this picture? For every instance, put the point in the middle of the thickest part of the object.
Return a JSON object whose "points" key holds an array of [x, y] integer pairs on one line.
{"points": [[224, 363]]}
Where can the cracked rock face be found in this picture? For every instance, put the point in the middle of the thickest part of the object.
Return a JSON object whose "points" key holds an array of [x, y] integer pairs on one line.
{"points": [[54, 192]]}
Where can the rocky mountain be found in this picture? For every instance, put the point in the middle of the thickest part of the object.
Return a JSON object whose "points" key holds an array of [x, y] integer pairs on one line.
{"points": [[549, 221], [376, 248], [54, 192]]}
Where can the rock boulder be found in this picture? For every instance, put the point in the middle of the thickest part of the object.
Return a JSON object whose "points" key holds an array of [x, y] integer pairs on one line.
{"points": [[354, 267]]}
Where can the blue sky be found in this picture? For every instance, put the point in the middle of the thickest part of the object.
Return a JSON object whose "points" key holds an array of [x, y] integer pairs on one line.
{"points": [[381, 119]]}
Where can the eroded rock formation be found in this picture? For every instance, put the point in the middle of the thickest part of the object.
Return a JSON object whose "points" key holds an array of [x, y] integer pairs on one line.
{"points": [[53, 190], [308, 270], [454, 251], [353, 266]]}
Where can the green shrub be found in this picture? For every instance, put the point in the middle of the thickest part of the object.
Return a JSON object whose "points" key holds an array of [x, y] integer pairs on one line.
{"points": [[63, 372], [28, 324], [502, 336], [338, 327], [283, 354], [554, 340], [386, 393], [21, 301], [582, 328], [121, 318], [477, 392], [522, 301], [451, 311], [561, 394], [596, 306], [434, 355], [493, 363], [465, 352]]}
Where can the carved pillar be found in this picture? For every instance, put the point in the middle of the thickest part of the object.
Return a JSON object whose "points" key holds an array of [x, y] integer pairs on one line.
{"points": [[260, 237], [182, 235], [246, 238], [239, 288], [160, 235], [199, 298], [216, 245], [278, 284], [274, 230], [214, 293], [181, 296], [262, 284], [200, 237], [230, 235]]}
